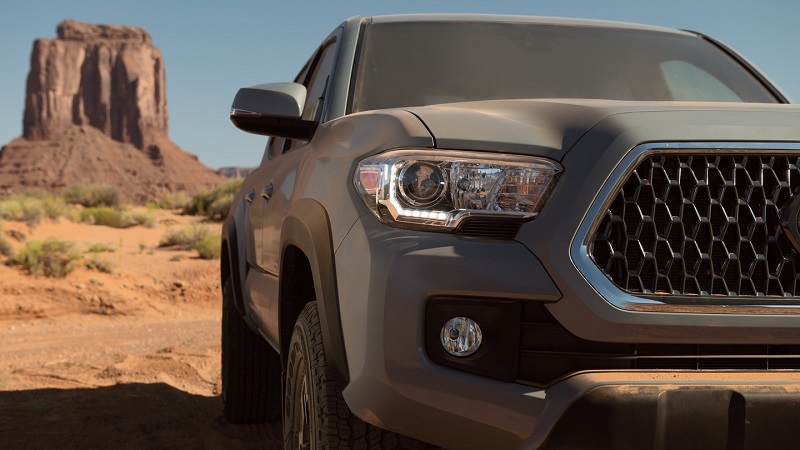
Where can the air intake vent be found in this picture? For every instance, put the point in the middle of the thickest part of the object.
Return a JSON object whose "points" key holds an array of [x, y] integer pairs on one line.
{"points": [[548, 352], [489, 228]]}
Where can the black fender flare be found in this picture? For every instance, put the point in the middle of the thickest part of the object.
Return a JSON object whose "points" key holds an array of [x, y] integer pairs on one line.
{"points": [[235, 263], [307, 227]]}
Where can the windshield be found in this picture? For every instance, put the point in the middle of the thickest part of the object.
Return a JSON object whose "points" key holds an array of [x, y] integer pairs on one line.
{"points": [[424, 63]]}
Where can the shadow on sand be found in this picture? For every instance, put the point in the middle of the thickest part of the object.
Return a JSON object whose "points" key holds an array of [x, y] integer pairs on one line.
{"points": [[124, 416]]}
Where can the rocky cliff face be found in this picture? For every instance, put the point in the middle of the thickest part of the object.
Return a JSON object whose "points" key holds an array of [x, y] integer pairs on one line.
{"points": [[109, 82], [109, 77]]}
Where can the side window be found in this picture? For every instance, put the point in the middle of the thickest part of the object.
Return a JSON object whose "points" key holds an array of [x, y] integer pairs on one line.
{"points": [[689, 82], [317, 86], [318, 83], [276, 145]]}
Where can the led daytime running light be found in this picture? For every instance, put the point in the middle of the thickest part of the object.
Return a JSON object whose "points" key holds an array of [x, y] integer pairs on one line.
{"points": [[440, 188]]}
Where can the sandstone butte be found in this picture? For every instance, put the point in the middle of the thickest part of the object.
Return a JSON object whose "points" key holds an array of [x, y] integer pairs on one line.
{"points": [[96, 112]]}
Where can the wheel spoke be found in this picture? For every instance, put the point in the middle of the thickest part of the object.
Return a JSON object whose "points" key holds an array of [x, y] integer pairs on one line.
{"points": [[302, 418], [306, 408]]}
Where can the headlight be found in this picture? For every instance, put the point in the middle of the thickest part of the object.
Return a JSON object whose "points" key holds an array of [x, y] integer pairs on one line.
{"points": [[440, 189]]}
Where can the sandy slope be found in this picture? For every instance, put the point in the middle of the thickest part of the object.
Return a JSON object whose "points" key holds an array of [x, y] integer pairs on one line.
{"points": [[128, 359]]}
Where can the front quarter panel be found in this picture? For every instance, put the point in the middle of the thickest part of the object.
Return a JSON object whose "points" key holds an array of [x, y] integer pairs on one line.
{"points": [[324, 205], [327, 174]]}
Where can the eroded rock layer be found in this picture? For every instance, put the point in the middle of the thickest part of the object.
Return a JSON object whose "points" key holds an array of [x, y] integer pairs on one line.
{"points": [[103, 87]]}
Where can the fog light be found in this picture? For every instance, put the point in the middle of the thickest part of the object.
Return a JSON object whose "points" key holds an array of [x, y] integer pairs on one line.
{"points": [[461, 336]]}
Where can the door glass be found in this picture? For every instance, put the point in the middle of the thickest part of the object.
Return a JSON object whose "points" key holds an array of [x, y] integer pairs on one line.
{"points": [[316, 86]]}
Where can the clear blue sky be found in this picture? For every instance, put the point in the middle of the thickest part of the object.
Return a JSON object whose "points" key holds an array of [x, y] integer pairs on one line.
{"points": [[213, 48]]}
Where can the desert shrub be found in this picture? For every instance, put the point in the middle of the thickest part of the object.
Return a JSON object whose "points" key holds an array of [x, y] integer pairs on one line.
{"points": [[52, 257], [99, 264], [219, 208], [185, 238], [104, 215], [100, 247], [92, 195], [11, 209], [143, 218], [216, 202], [209, 247], [5, 246], [174, 200], [115, 218], [31, 207], [55, 207], [21, 209]]}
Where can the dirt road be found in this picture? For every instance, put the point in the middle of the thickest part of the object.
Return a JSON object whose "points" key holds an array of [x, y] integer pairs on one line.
{"points": [[123, 360], [117, 382]]}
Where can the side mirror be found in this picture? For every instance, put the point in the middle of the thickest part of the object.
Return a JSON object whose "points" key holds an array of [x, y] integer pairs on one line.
{"points": [[273, 109]]}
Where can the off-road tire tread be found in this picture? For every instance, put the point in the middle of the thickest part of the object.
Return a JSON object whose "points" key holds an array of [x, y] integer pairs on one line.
{"points": [[338, 427], [251, 369]]}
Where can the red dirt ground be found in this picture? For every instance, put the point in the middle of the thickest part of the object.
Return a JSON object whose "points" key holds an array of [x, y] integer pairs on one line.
{"points": [[122, 360]]}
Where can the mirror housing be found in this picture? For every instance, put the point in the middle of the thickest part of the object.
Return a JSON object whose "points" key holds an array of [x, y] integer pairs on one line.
{"points": [[272, 109]]}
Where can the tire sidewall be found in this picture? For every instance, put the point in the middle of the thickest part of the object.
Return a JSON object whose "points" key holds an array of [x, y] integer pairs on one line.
{"points": [[298, 365]]}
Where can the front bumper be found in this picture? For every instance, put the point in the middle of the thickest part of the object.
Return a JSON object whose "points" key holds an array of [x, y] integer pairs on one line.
{"points": [[676, 410], [386, 278]]}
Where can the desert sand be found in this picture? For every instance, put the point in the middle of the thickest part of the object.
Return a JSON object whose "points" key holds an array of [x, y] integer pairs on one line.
{"points": [[128, 359]]}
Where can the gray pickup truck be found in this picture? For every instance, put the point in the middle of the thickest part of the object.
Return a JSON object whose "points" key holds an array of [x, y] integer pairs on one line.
{"points": [[516, 232]]}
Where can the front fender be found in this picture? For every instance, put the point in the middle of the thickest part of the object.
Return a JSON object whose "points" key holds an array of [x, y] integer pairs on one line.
{"points": [[307, 227], [237, 263]]}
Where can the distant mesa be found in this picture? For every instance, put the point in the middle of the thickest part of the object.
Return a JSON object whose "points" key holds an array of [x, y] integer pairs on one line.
{"points": [[72, 30], [96, 111], [236, 172]]}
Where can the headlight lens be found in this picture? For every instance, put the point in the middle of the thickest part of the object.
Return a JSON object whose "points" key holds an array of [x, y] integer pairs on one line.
{"points": [[441, 188]]}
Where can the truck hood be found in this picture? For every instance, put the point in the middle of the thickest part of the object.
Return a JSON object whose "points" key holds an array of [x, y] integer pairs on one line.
{"points": [[551, 127]]}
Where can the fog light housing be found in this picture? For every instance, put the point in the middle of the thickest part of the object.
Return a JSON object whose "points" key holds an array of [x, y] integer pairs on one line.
{"points": [[461, 336]]}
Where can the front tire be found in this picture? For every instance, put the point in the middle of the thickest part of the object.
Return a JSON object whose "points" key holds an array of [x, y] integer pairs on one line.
{"points": [[251, 369], [315, 415]]}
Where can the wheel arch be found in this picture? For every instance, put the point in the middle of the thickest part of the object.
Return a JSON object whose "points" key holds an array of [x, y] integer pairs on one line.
{"points": [[230, 263], [307, 256]]}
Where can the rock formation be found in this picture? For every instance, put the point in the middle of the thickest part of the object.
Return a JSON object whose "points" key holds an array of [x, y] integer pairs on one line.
{"points": [[236, 172], [96, 111]]}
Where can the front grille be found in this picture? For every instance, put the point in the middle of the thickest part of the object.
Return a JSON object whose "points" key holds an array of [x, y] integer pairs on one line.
{"points": [[683, 227], [548, 352]]}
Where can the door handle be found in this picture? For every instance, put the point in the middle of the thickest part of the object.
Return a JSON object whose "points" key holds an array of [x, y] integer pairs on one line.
{"points": [[266, 192]]}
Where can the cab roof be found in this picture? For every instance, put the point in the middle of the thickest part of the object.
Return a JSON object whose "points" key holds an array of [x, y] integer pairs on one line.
{"points": [[543, 20]]}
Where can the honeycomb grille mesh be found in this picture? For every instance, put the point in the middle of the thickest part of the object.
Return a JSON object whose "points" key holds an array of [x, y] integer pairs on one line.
{"points": [[688, 225]]}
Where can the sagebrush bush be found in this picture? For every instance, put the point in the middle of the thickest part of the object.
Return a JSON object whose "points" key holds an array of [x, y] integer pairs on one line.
{"points": [[185, 238], [100, 247], [52, 257], [5, 246], [174, 200], [209, 247], [31, 207], [115, 218], [99, 264], [92, 195], [143, 218], [55, 207], [219, 208], [215, 203]]}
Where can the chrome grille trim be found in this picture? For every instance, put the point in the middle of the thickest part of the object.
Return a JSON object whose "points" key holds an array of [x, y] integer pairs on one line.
{"points": [[605, 286]]}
